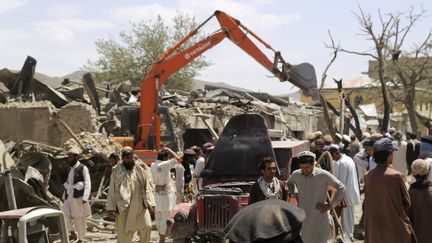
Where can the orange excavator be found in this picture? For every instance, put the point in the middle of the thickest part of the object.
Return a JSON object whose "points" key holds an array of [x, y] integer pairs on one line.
{"points": [[147, 141]]}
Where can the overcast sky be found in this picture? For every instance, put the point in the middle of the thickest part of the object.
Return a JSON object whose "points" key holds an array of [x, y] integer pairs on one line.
{"points": [[61, 34]]}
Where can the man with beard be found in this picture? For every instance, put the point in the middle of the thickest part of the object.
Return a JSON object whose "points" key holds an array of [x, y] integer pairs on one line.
{"points": [[198, 168], [267, 186], [312, 184], [77, 191], [412, 150], [188, 166], [130, 199], [363, 157], [354, 147], [114, 158], [319, 147], [325, 162]]}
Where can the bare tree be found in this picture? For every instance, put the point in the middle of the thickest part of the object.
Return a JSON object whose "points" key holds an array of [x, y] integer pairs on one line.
{"points": [[379, 52], [395, 66], [323, 101], [327, 106], [356, 129], [410, 67]]}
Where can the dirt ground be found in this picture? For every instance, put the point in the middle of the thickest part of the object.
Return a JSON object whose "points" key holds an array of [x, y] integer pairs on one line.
{"points": [[98, 236], [111, 238]]}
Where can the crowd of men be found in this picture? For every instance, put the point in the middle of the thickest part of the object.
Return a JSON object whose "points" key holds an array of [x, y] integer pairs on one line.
{"points": [[386, 165], [327, 183], [136, 190]]}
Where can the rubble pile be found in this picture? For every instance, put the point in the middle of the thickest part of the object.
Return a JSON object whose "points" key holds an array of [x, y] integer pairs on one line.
{"points": [[80, 117], [76, 106], [94, 143], [39, 121], [40, 169], [218, 105], [46, 119]]}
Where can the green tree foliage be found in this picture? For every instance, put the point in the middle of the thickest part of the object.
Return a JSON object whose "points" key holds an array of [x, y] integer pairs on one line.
{"points": [[128, 57]]}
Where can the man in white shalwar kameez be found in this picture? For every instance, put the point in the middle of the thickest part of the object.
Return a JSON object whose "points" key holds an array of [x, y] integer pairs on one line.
{"points": [[130, 198], [345, 171], [179, 183], [312, 183], [77, 191], [399, 156], [165, 196]]}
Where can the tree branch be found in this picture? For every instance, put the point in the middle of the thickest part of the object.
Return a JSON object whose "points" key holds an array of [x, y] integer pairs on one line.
{"points": [[358, 53], [335, 51]]}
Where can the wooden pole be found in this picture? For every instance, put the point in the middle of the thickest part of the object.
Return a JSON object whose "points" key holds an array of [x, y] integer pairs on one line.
{"points": [[210, 128], [72, 134], [10, 193]]}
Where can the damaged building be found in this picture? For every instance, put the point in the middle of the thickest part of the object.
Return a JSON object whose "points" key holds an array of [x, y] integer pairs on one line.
{"points": [[57, 110], [42, 117]]}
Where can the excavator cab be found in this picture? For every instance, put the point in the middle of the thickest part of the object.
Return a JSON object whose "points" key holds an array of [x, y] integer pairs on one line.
{"points": [[130, 120], [130, 127]]}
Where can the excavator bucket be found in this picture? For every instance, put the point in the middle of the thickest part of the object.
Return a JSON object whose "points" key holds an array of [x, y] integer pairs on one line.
{"points": [[303, 76]]}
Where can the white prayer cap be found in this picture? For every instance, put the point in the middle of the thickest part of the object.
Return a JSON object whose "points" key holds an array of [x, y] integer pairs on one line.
{"points": [[391, 129], [306, 154], [420, 167], [338, 135], [346, 138], [334, 146], [310, 136], [376, 136], [327, 138], [74, 151], [318, 134]]}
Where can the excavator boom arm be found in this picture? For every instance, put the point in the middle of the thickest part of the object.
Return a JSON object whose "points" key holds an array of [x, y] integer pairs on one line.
{"points": [[157, 76], [171, 62]]}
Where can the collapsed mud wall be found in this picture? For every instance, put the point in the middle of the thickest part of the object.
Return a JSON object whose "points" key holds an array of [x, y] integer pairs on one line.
{"points": [[27, 120], [79, 117], [39, 121]]}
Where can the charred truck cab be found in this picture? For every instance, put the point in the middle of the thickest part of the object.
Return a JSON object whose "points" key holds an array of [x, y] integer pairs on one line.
{"points": [[228, 176]]}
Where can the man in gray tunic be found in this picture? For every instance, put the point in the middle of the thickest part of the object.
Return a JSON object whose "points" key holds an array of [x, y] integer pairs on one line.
{"points": [[312, 183]]}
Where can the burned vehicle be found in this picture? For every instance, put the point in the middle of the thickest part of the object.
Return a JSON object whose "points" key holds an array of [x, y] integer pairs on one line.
{"points": [[228, 176]]}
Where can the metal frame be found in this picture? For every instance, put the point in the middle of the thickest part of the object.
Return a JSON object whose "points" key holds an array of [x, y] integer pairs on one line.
{"points": [[42, 213]]}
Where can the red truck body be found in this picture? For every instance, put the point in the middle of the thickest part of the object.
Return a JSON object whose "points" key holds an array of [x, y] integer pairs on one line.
{"points": [[229, 174]]}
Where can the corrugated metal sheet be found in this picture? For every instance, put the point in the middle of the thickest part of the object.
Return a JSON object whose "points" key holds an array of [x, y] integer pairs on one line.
{"points": [[369, 110]]}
